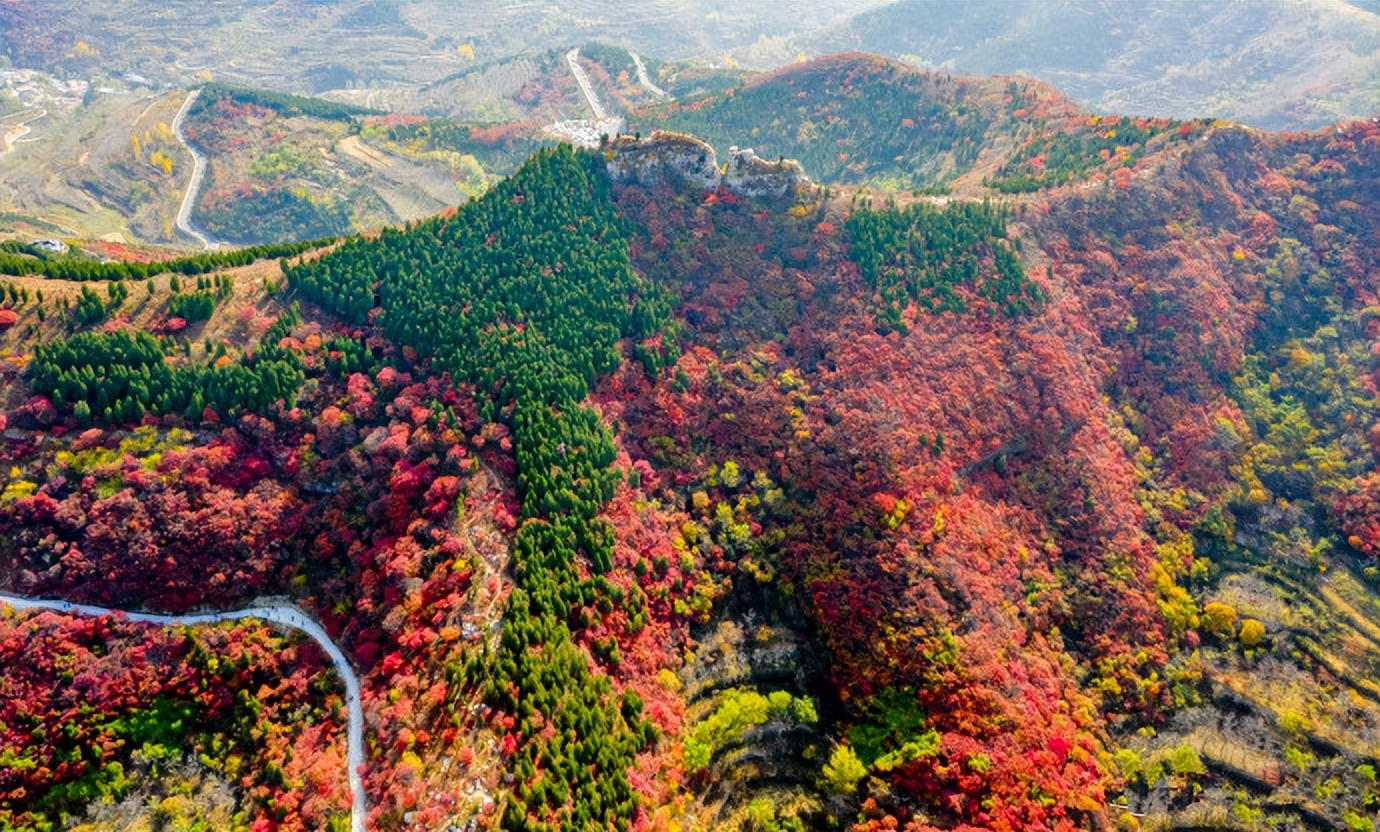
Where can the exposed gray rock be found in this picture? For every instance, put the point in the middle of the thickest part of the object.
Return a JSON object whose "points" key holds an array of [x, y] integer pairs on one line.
{"points": [[663, 157], [678, 159], [748, 175]]}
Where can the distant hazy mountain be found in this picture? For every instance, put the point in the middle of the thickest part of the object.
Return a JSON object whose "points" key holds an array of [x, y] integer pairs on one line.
{"points": [[1278, 64], [303, 46]]}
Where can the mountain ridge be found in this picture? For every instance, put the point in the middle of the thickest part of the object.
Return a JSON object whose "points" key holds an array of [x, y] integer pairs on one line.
{"points": [[1282, 65]]}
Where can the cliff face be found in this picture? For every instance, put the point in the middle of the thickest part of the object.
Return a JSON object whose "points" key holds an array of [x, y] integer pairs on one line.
{"points": [[663, 157], [680, 159], [748, 175]]}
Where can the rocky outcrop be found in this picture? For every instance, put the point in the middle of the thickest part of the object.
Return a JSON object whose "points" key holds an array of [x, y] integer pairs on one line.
{"points": [[685, 160], [663, 157], [750, 176], [759, 644]]}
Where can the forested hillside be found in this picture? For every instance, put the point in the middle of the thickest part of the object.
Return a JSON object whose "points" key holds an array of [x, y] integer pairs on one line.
{"points": [[1276, 66], [858, 119], [286, 168], [1046, 504], [527, 294]]}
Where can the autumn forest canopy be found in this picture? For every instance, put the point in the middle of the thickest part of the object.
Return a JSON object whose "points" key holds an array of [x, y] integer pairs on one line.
{"points": [[1020, 475]]}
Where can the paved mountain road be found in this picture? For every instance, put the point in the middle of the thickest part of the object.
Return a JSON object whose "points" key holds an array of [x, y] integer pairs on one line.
{"points": [[646, 81], [284, 615], [573, 58], [184, 212]]}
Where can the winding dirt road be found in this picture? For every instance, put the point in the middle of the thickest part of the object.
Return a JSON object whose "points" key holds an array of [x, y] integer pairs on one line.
{"points": [[284, 615], [13, 133], [184, 212]]}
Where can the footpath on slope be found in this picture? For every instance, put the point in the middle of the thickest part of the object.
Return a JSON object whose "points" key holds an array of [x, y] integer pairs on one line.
{"points": [[285, 615], [184, 211]]}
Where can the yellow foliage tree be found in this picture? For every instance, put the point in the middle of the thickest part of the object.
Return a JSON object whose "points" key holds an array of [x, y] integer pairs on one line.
{"points": [[1219, 619], [843, 771], [163, 161], [1174, 601], [1252, 632]]}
